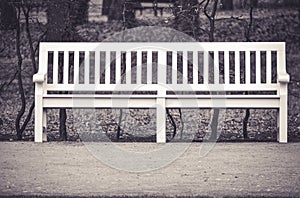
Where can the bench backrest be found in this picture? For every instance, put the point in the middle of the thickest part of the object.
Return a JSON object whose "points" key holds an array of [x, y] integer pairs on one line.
{"points": [[186, 66]]}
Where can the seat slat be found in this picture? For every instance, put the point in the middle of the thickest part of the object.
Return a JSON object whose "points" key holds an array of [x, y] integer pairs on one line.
{"points": [[155, 96]]}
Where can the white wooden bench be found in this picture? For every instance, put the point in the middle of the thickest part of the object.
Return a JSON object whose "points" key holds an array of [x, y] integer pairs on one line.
{"points": [[202, 75]]}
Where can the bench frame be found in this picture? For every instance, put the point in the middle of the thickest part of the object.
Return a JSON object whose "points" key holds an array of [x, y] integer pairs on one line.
{"points": [[161, 100]]}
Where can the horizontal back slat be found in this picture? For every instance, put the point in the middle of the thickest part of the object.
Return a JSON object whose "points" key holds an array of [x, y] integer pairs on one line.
{"points": [[186, 46], [155, 87]]}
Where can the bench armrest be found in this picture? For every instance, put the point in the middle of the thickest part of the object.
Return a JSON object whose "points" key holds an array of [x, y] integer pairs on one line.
{"points": [[283, 78], [39, 78]]}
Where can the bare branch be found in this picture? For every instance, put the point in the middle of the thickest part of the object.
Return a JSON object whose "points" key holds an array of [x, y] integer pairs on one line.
{"points": [[205, 9], [8, 84], [172, 122]]}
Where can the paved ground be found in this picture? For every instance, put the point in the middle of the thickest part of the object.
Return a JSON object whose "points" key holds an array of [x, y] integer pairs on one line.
{"points": [[229, 169]]}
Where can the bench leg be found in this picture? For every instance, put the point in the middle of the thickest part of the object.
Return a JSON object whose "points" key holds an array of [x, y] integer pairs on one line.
{"points": [[38, 121], [283, 117], [278, 124], [45, 125], [38, 113], [161, 120]]}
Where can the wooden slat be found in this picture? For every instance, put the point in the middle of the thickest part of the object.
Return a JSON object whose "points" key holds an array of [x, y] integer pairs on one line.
{"points": [[97, 67], [155, 96], [237, 67], [139, 67], [195, 67], [86, 67], [149, 67], [155, 87], [162, 67], [76, 67], [216, 68], [248, 67], [174, 46], [55, 67], [258, 67], [128, 67], [174, 67], [226, 67], [184, 67], [118, 67], [205, 67], [269, 67], [66, 67], [107, 67]]}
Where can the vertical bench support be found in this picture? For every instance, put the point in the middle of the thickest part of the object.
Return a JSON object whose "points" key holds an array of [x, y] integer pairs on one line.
{"points": [[39, 79], [160, 120], [283, 114], [161, 97], [283, 79], [38, 117]]}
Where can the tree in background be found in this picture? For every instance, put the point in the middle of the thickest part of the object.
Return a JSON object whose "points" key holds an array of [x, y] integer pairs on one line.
{"points": [[227, 4], [24, 8], [79, 11], [61, 27], [8, 15], [121, 10], [187, 16], [115, 10]]}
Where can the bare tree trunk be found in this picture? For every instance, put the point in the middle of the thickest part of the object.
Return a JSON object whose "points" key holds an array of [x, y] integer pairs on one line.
{"points": [[8, 15], [129, 14], [115, 10], [26, 7], [60, 28], [298, 12], [211, 17], [79, 12], [106, 6], [19, 77], [119, 125], [227, 4], [245, 124], [187, 16], [248, 28], [172, 122]]}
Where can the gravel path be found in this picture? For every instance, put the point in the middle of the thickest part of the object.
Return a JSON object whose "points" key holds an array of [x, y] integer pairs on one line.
{"points": [[229, 169]]}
